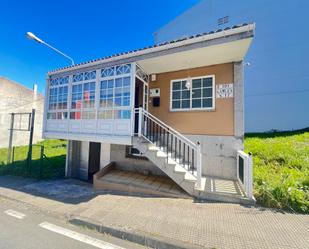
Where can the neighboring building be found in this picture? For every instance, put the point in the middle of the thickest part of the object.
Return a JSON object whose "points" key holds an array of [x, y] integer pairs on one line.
{"points": [[16, 98], [277, 94], [179, 104]]}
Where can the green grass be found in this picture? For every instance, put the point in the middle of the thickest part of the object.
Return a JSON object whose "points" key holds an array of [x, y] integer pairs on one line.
{"points": [[53, 161], [281, 169]]}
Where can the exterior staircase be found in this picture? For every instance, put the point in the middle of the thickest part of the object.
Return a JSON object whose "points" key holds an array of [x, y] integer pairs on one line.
{"points": [[180, 159]]}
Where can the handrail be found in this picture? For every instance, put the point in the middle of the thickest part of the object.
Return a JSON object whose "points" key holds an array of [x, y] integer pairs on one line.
{"points": [[185, 152], [167, 127]]}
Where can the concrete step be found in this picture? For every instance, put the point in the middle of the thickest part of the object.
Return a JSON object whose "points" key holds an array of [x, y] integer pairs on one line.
{"points": [[132, 182]]}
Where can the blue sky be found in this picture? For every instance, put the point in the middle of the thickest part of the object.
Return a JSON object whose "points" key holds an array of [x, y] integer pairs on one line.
{"points": [[84, 30]]}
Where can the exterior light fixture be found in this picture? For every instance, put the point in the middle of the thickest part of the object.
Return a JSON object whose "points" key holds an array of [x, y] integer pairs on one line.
{"points": [[33, 37]]}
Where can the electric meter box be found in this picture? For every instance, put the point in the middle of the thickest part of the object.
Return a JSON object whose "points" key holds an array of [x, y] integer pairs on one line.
{"points": [[154, 92]]}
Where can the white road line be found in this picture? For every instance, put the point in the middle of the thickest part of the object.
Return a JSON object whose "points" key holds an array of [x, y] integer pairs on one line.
{"points": [[78, 236], [15, 214]]}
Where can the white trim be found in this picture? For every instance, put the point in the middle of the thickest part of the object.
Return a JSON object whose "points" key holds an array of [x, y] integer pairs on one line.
{"points": [[78, 236], [224, 33], [93, 137], [194, 109]]}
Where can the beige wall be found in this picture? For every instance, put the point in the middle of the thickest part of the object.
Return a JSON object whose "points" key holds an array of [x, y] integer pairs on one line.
{"points": [[16, 98], [217, 122]]}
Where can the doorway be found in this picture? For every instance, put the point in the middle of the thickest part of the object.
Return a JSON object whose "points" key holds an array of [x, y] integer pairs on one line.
{"points": [[94, 159], [138, 101]]}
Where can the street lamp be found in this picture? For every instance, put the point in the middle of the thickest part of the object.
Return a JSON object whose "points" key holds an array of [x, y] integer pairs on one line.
{"points": [[31, 36]]}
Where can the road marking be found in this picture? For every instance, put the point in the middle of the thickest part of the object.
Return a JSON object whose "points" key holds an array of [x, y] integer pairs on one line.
{"points": [[15, 214], [78, 236]]}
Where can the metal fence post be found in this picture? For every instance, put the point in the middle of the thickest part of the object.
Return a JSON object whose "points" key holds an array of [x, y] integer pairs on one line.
{"points": [[140, 113], [250, 177], [199, 165], [41, 161], [10, 138], [29, 157]]}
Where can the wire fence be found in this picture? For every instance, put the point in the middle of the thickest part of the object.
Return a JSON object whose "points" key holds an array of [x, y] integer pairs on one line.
{"points": [[39, 166]]}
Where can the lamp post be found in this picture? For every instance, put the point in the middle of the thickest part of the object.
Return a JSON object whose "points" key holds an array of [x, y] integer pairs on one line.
{"points": [[31, 36]]}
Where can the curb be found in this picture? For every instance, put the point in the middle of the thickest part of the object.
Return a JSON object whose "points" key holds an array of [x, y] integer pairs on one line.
{"points": [[142, 238]]}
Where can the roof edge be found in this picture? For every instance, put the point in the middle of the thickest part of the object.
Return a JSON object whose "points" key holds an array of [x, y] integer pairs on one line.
{"points": [[236, 29]]}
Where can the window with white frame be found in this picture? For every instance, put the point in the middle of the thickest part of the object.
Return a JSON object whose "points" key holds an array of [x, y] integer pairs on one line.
{"points": [[58, 98], [194, 94], [83, 96], [115, 88]]}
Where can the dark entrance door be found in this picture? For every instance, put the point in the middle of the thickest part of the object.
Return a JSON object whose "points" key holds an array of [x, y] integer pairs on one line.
{"points": [[137, 102], [94, 159]]}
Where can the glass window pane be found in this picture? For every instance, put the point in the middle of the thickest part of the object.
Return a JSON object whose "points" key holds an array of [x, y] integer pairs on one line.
{"points": [[104, 84], [185, 94], [117, 102], [176, 85], [196, 103], [196, 93], [126, 101], [126, 81], [118, 82], [176, 95], [196, 83], [207, 82], [125, 114], [110, 84], [175, 104], [207, 92], [126, 91], [185, 104], [75, 115], [109, 114], [207, 103]]}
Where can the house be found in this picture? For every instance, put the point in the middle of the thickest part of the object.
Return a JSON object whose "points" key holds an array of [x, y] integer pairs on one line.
{"points": [[271, 77], [16, 98], [173, 109]]}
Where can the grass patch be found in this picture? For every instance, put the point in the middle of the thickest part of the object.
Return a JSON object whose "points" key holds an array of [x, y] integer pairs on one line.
{"points": [[53, 161], [281, 169]]}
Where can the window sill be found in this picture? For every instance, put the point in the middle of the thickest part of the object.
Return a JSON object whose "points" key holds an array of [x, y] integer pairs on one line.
{"points": [[194, 110]]}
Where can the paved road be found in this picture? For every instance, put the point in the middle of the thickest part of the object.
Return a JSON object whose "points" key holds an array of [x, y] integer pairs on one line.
{"points": [[21, 227]]}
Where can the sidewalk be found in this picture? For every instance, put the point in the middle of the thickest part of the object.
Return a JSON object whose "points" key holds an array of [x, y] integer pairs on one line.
{"points": [[211, 225]]}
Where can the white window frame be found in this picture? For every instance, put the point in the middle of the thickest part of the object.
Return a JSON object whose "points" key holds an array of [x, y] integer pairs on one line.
{"points": [[194, 109]]}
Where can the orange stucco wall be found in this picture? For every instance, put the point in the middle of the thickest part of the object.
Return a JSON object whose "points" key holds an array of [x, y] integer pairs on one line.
{"points": [[216, 122]]}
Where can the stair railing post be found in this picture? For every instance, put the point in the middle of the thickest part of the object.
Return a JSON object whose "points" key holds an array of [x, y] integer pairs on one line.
{"points": [[250, 177], [199, 165], [140, 118]]}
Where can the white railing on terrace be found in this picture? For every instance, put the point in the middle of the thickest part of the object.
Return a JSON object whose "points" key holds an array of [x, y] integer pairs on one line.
{"points": [[176, 146], [245, 172]]}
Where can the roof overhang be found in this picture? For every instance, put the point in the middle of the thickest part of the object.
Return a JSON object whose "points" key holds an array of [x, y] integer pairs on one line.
{"points": [[199, 57], [202, 50]]}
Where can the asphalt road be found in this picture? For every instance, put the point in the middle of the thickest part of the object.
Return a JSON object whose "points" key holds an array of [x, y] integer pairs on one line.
{"points": [[22, 227]]}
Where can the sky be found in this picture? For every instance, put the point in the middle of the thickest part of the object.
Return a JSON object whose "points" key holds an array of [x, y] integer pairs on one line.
{"points": [[84, 30]]}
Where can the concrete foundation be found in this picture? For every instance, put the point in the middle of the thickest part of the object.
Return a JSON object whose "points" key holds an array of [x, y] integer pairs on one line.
{"points": [[219, 154], [144, 166]]}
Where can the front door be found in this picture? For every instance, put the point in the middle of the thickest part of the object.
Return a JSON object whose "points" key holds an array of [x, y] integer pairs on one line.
{"points": [[94, 159]]}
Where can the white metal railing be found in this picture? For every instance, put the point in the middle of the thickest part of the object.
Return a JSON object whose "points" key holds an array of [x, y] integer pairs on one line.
{"points": [[176, 145], [245, 172]]}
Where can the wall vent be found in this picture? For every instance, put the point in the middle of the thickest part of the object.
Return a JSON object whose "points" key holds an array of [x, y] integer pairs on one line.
{"points": [[223, 20]]}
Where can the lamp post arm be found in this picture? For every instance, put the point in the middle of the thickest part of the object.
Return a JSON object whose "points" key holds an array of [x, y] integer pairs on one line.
{"points": [[58, 51]]}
